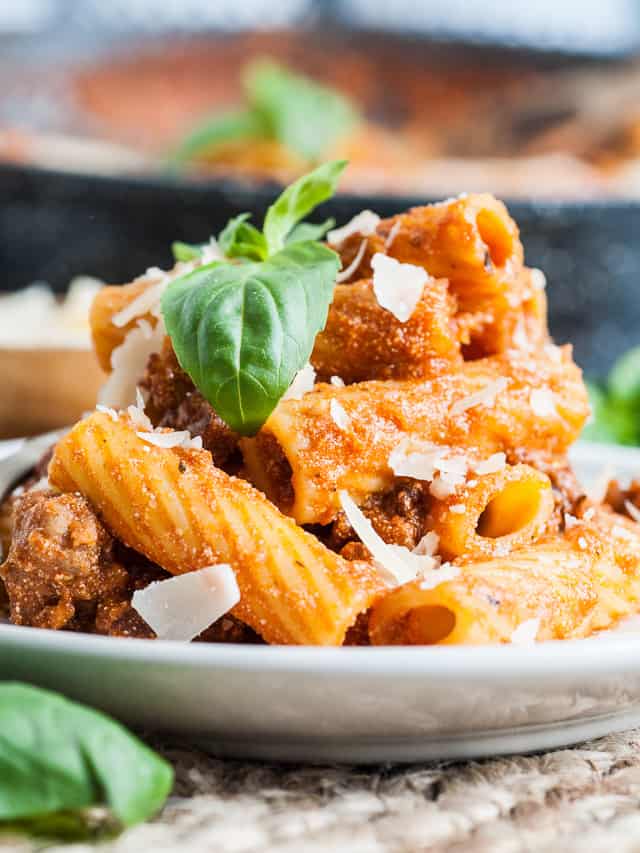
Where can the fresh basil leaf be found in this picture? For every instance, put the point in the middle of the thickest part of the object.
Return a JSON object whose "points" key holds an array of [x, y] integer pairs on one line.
{"points": [[298, 200], [612, 421], [58, 756], [243, 331], [300, 113], [241, 239], [310, 231], [228, 127], [624, 378], [186, 251]]}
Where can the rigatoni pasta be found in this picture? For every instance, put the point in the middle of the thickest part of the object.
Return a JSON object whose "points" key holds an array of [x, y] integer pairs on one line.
{"points": [[176, 508]]}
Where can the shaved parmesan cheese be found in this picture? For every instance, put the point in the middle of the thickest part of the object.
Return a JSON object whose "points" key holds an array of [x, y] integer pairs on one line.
{"points": [[458, 509], [443, 487], [538, 279], [582, 543], [107, 411], [588, 515], [339, 416], [211, 252], [173, 438], [346, 274], [598, 490], [632, 510], [445, 573], [553, 352], [144, 303], [395, 565], [428, 544], [392, 235], [364, 223], [431, 463], [526, 632], [337, 382], [542, 403], [303, 381], [570, 520], [182, 607], [485, 397], [128, 362], [496, 462], [398, 287]]}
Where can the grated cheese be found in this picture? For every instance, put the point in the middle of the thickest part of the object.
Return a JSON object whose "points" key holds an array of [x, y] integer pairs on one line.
{"points": [[346, 274], [364, 223], [582, 543], [570, 520], [428, 545], [542, 403], [485, 397], [339, 416], [496, 462], [538, 278], [588, 515], [633, 510], [337, 382], [182, 607], [398, 287], [396, 564], [303, 382], [107, 411], [174, 438], [526, 632], [446, 572], [458, 509], [146, 301], [392, 235], [128, 362]]}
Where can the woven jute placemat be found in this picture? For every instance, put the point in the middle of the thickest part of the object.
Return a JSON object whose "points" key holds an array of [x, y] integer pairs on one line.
{"points": [[581, 799]]}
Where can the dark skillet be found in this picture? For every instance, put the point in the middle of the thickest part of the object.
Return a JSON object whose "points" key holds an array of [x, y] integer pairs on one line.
{"points": [[56, 225]]}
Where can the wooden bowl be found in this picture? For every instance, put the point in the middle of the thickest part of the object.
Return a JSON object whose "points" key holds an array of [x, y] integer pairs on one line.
{"points": [[44, 389]]}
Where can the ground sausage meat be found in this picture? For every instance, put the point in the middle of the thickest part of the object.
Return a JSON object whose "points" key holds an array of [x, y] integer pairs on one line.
{"points": [[174, 402]]}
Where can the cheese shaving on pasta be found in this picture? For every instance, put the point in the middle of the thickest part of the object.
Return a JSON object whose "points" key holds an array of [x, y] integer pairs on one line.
{"points": [[398, 287], [496, 462], [485, 397], [128, 362], [397, 564], [174, 438], [182, 607], [526, 632], [446, 572], [364, 223], [345, 274], [339, 416], [428, 545], [337, 382], [633, 510], [437, 465], [107, 411], [303, 382], [542, 403]]}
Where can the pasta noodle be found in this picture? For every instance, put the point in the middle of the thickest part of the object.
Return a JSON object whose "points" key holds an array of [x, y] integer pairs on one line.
{"points": [[504, 510], [174, 506], [302, 458], [571, 585], [364, 341]]}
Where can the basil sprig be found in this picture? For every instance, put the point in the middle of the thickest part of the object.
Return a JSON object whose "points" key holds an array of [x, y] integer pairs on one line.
{"points": [[58, 758], [244, 328], [297, 112], [615, 403]]}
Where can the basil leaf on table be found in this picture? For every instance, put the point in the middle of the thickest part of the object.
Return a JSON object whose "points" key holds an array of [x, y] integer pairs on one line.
{"points": [[58, 756], [241, 239], [300, 113], [243, 331], [228, 127], [298, 200]]}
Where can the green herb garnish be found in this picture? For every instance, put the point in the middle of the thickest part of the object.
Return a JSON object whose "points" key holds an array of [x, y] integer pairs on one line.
{"points": [[58, 758], [299, 113], [244, 328], [615, 403]]}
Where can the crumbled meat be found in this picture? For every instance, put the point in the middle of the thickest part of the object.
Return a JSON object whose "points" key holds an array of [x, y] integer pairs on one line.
{"points": [[398, 517], [174, 402], [60, 565], [617, 497], [65, 571]]}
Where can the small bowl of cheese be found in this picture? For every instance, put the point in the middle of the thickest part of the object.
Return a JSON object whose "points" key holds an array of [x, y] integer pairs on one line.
{"points": [[48, 373]]}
